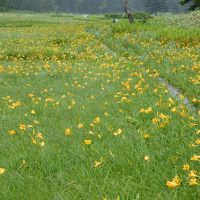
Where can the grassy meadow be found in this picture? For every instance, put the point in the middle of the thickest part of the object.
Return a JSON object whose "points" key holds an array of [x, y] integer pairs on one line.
{"points": [[84, 115]]}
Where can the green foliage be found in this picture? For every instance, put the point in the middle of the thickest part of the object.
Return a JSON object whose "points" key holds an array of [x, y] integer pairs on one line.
{"points": [[195, 3], [161, 32], [58, 15], [136, 15], [142, 15], [114, 16], [3, 9]]}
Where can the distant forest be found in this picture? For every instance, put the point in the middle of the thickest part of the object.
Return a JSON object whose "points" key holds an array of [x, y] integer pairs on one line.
{"points": [[92, 6]]}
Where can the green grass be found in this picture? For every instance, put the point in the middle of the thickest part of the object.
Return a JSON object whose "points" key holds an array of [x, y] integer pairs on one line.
{"points": [[31, 19], [76, 72], [173, 52]]}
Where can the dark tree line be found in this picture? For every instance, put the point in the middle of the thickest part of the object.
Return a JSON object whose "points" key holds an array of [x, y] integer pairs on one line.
{"points": [[80, 6], [193, 3], [94, 6]]}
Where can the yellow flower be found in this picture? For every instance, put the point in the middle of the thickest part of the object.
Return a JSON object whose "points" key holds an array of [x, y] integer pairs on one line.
{"points": [[193, 181], [97, 163], [193, 124], [117, 132], [30, 95], [91, 133], [80, 125], [92, 97], [42, 144], [147, 110], [12, 132], [33, 112], [155, 120], [34, 140], [106, 114], [68, 131], [195, 158], [186, 167], [15, 104], [23, 162], [40, 136], [36, 122], [97, 120], [174, 183], [146, 136], [146, 158], [192, 174], [197, 141], [173, 110], [163, 117], [1, 69], [121, 111], [88, 142], [2, 171], [22, 127], [92, 125]]}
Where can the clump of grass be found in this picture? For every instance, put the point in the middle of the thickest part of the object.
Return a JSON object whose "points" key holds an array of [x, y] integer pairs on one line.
{"points": [[161, 32]]}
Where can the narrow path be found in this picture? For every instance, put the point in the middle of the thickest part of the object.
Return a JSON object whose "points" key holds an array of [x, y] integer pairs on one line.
{"points": [[175, 92]]}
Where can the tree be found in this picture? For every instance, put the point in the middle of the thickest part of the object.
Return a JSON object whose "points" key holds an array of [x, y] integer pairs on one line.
{"points": [[154, 6], [102, 5], [195, 3], [95, 6], [129, 14]]}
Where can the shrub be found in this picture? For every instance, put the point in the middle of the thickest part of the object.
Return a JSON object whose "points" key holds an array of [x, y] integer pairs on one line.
{"points": [[3, 9], [142, 15], [136, 15], [114, 16]]}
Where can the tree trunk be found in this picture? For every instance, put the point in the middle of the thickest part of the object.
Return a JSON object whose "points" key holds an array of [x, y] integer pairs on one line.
{"points": [[130, 16]]}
